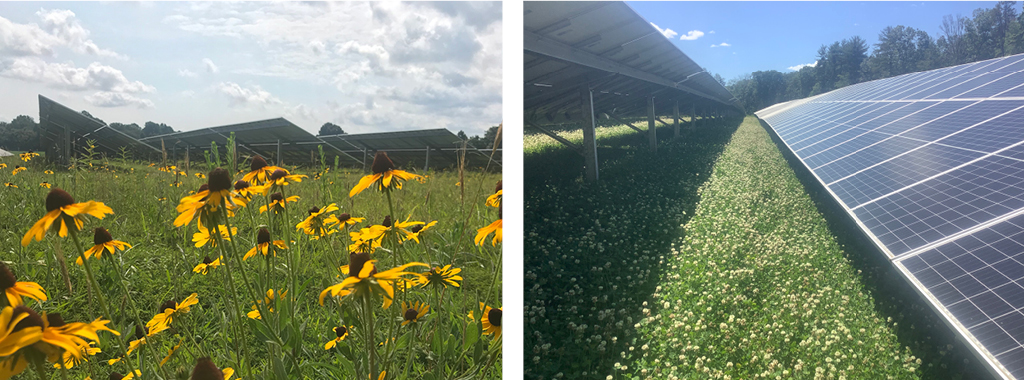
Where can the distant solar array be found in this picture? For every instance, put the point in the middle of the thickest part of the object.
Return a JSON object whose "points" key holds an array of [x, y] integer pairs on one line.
{"points": [[66, 130], [931, 167]]}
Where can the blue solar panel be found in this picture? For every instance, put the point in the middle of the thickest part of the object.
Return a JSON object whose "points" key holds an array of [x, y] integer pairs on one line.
{"points": [[931, 165]]}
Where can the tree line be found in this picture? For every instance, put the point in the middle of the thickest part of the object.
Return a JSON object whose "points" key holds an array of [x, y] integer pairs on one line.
{"points": [[988, 33]]}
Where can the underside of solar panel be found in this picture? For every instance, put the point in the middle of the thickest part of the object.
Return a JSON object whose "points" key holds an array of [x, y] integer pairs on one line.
{"points": [[930, 165]]}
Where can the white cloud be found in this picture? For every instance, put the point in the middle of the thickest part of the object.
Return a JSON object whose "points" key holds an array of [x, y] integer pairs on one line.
{"points": [[798, 67], [317, 47], [117, 99], [692, 35], [668, 33], [66, 76], [724, 44], [187, 73], [711, 32], [242, 96], [188, 94], [210, 67], [59, 28]]}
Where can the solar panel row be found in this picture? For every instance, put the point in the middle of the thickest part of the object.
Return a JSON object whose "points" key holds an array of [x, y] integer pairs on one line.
{"points": [[931, 165]]}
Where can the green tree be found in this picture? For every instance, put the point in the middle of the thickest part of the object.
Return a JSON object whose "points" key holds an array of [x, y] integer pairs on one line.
{"points": [[330, 129], [154, 129]]}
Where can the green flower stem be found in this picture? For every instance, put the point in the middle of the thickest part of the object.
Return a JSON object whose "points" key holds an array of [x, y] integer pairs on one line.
{"points": [[116, 264], [371, 344], [408, 360], [234, 292], [40, 370]]}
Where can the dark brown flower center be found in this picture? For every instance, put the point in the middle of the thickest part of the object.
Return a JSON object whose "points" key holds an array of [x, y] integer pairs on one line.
{"points": [[100, 235], [206, 370], [206, 260], [410, 314], [344, 217], [33, 318], [494, 317], [278, 174], [381, 163], [55, 320], [263, 236], [276, 197], [498, 187], [241, 185], [58, 198], [313, 210], [258, 163], [169, 304], [7, 279], [387, 222], [115, 376], [203, 187], [219, 180], [356, 261], [417, 228], [341, 331]]}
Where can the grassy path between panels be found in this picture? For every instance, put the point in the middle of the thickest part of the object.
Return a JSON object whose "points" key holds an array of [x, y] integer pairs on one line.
{"points": [[758, 287]]}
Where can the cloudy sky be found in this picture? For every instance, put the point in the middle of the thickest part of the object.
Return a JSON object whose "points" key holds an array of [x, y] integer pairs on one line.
{"points": [[733, 38], [366, 67]]}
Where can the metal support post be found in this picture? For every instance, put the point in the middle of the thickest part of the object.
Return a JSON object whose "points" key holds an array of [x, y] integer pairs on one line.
{"points": [[589, 133], [675, 114], [280, 160], [652, 133], [693, 118], [426, 162]]}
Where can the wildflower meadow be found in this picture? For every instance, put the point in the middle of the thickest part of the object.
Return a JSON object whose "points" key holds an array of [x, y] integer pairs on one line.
{"points": [[711, 260], [118, 269]]}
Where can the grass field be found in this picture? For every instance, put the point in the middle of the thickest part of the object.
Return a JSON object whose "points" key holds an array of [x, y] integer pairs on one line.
{"points": [[710, 260], [289, 338]]}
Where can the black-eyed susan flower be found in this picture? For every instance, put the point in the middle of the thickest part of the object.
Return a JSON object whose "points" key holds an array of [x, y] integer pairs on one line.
{"points": [[281, 177], [263, 245], [48, 171], [141, 337], [269, 300], [102, 242], [73, 337], [442, 277], [70, 360], [207, 264], [260, 171], [11, 185], [278, 203], [495, 199], [63, 213], [319, 222], [18, 169], [200, 175], [218, 192], [45, 185], [340, 332], [494, 227], [203, 236], [417, 229], [3, 165], [169, 310], [384, 178], [379, 232], [491, 320], [15, 335], [28, 156], [363, 278], [345, 219], [247, 190], [15, 289], [413, 311], [206, 370]]}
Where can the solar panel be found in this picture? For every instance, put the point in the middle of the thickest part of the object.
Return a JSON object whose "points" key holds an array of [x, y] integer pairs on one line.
{"points": [[64, 130], [438, 148], [931, 166]]}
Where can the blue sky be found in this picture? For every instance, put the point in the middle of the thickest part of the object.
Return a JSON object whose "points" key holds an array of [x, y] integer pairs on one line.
{"points": [[779, 35], [366, 67]]}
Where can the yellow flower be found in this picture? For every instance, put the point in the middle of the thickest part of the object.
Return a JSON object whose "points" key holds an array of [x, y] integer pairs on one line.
{"points": [[70, 337], [491, 320], [263, 244], [62, 211], [269, 300], [413, 311], [70, 360], [416, 230], [385, 177], [247, 190], [170, 309], [3, 165], [348, 220], [372, 237], [28, 156], [217, 192], [495, 199], [15, 289], [260, 171], [482, 233], [102, 242], [363, 278], [319, 223], [281, 177], [278, 202], [44, 185], [341, 333], [8, 184], [203, 236], [207, 264], [131, 375], [200, 175], [18, 169], [15, 335], [46, 171], [171, 352], [441, 277]]}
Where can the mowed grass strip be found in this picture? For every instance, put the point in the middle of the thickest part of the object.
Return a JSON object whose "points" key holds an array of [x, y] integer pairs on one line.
{"points": [[759, 288]]}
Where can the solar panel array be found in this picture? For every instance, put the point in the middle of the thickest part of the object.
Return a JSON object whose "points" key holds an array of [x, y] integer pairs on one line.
{"points": [[931, 166], [60, 126]]}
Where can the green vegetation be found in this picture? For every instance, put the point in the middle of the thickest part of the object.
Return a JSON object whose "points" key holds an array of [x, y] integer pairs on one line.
{"points": [[711, 260], [535, 143], [288, 341]]}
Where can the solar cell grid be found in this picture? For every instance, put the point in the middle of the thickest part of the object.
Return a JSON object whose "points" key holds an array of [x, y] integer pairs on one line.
{"points": [[999, 86], [963, 118], [992, 135], [967, 86]]}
